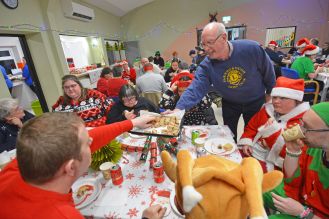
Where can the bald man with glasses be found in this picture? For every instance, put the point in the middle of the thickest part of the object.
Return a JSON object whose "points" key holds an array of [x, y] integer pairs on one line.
{"points": [[239, 70]]}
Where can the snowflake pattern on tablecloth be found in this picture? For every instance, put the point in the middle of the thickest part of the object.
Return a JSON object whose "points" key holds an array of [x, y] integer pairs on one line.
{"points": [[136, 164], [143, 203], [135, 191], [142, 177], [130, 176], [112, 215], [132, 212], [153, 189], [132, 141]]}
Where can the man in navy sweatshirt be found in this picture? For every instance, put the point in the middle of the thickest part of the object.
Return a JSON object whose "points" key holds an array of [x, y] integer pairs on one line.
{"points": [[239, 70]]}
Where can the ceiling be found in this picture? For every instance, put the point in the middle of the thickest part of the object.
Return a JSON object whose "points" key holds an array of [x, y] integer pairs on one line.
{"points": [[118, 7]]}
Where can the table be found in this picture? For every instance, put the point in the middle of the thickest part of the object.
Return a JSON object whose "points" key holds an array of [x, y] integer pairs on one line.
{"points": [[324, 76], [89, 78], [138, 188]]}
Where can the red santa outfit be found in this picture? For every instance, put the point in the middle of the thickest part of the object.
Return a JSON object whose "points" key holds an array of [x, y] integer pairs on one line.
{"points": [[265, 137]]}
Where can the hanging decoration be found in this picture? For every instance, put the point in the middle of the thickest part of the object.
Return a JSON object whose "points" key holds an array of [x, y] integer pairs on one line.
{"points": [[213, 17]]}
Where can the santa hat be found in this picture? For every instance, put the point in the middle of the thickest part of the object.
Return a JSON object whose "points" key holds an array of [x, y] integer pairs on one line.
{"points": [[273, 43], [289, 88], [310, 50], [180, 75], [302, 43], [148, 68]]}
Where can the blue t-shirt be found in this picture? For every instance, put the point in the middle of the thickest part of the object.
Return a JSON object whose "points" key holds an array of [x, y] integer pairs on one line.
{"points": [[241, 79], [27, 76], [8, 81]]}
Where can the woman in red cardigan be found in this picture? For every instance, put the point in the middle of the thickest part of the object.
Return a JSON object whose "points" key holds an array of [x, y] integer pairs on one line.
{"points": [[103, 81]]}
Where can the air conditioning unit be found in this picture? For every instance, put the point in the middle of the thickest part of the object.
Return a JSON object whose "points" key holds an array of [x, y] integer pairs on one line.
{"points": [[77, 11]]}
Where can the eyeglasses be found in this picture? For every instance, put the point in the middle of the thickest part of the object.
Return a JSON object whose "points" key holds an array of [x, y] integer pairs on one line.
{"points": [[129, 99], [212, 43], [70, 86], [302, 125]]}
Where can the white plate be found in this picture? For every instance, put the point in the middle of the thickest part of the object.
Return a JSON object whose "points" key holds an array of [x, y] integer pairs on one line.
{"points": [[211, 146], [173, 206], [136, 136], [89, 196], [204, 132]]}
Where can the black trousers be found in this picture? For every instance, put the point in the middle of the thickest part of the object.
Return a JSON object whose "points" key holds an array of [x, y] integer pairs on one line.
{"points": [[233, 111]]}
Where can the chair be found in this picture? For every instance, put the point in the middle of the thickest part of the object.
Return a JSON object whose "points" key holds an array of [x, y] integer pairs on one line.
{"points": [[289, 73], [154, 97], [311, 87], [36, 107]]}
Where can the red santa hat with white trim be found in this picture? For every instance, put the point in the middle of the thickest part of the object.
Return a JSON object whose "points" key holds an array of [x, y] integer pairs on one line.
{"points": [[289, 88], [301, 43], [273, 43], [310, 50]]}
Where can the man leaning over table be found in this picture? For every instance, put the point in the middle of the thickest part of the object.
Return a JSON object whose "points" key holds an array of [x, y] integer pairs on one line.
{"points": [[239, 70], [53, 151], [304, 193]]}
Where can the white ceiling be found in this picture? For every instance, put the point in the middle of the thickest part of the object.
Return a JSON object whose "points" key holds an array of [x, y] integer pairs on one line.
{"points": [[118, 7]]}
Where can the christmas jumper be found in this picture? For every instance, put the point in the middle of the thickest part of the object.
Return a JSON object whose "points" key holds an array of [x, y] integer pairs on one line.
{"points": [[24, 201], [92, 110]]}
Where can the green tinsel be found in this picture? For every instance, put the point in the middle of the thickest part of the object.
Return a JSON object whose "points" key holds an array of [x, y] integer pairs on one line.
{"points": [[110, 153]]}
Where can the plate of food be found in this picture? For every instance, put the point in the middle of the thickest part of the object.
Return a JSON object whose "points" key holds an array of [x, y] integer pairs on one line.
{"points": [[85, 191], [203, 132], [220, 146], [173, 205]]}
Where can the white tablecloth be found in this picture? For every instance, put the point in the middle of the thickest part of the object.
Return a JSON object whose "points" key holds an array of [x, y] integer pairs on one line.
{"points": [[24, 94], [324, 76], [138, 189]]}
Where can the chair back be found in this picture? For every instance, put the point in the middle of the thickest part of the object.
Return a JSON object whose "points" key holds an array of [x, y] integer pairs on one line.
{"points": [[154, 97], [289, 73], [312, 88]]}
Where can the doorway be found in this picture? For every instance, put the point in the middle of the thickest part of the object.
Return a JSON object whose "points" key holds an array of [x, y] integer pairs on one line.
{"points": [[16, 60]]}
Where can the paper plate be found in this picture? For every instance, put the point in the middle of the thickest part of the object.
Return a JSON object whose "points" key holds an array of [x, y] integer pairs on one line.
{"points": [[204, 132], [212, 146], [93, 189], [173, 205]]}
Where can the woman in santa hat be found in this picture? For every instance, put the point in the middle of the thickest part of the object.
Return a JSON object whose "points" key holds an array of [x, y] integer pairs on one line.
{"points": [[262, 137], [199, 114]]}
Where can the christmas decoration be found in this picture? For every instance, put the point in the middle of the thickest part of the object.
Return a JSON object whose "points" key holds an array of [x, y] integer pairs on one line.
{"points": [[110, 153]]}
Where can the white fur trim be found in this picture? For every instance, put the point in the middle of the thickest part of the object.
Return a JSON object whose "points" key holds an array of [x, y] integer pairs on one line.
{"points": [[190, 198], [303, 107], [245, 141], [288, 93], [271, 129], [274, 154], [259, 152], [312, 52]]}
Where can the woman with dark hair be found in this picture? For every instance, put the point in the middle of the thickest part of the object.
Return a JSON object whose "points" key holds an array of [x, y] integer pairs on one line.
{"points": [[129, 105], [199, 114], [172, 71], [103, 81], [91, 105]]}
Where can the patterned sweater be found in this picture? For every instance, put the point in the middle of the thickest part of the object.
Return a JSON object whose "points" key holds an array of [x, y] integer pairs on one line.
{"points": [[92, 110]]}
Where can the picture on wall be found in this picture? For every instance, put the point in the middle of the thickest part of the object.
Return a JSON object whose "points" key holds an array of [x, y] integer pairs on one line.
{"points": [[283, 36]]}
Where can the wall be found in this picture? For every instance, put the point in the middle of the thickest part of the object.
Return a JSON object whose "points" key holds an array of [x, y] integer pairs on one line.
{"points": [[171, 25], [44, 21]]}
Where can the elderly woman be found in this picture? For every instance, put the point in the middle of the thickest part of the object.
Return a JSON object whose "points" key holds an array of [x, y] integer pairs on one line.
{"points": [[12, 118], [91, 105], [201, 114], [262, 137], [129, 105], [128, 73], [103, 81]]}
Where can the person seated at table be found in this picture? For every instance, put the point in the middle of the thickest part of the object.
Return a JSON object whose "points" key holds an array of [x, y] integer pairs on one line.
{"points": [[128, 73], [53, 151], [262, 137], [129, 105], [278, 60], [115, 83], [197, 115], [103, 81], [304, 192], [12, 118], [300, 45], [172, 71], [91, 105], [158, 60]]}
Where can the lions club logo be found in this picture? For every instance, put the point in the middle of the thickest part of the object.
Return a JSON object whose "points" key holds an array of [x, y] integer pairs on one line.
{"points": [[235, 77]]}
